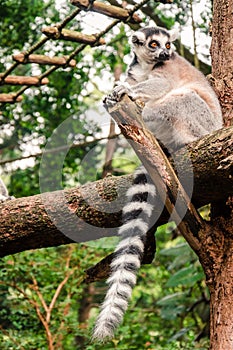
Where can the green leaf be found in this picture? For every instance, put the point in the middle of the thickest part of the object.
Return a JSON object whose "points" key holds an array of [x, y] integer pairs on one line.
{"points": [[172, 299], [178, 250], [187, 276]]}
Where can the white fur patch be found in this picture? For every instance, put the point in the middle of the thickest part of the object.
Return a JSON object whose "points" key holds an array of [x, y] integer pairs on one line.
{"points": [[126, 242], [119, 287], [122, 259], [122, 275], [134, 224], [146, 207], [140, 188]]}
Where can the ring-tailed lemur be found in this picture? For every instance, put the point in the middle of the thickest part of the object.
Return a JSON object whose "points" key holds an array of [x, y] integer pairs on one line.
{"points": [[179, 107]]}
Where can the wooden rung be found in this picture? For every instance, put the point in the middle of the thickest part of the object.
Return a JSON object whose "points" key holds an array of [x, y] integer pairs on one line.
{"points": [[41, 59], [105, 9], [22, 80], [10, 98], [71, 35]]}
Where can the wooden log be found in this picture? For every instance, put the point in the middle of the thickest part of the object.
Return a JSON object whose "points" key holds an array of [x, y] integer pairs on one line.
{"points": [[71, 35], [10, 98], [22, 80], [107, 10], [42, 59]]}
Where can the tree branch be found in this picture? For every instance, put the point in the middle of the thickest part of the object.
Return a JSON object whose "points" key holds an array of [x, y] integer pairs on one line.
{"points": [[93, 211]]}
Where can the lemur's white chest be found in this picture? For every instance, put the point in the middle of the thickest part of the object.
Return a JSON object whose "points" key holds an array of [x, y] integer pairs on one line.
{"points": [[141, 72]]}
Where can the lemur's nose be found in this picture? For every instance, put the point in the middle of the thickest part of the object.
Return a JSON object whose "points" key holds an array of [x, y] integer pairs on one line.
{"points": [[164, 55]]}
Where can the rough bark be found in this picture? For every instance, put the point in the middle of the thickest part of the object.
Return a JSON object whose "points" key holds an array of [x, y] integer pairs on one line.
{"points": [[218, 268], [220, 276], [60, 217], [222, 53]]}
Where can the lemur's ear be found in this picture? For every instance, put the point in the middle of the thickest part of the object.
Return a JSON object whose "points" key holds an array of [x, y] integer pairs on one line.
{"points": [[138, 38], [174, 34]]}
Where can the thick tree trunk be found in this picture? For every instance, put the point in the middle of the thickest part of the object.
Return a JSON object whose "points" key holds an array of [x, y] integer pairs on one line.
{"points": [[221, 305], [220, 278], [217, 260], [222, 55]]}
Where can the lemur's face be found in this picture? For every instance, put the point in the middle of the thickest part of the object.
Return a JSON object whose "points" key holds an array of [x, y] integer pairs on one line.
{"points": [[153, 44]]}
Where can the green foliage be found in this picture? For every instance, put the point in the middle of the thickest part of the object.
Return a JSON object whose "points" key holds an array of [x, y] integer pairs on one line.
{"points": [[162, 314], [27, 127], [41, 287], [23, 12]]}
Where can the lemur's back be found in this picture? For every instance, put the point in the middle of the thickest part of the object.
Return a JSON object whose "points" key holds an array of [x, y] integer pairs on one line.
{"points": [[184, 74]]}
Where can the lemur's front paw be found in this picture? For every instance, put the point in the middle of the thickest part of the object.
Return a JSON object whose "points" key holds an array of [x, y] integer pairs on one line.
{"points": [[110, 100], [119, 90]]}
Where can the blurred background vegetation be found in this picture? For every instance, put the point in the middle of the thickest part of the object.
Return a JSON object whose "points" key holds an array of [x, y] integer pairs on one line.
{"points": [[44, 302]]}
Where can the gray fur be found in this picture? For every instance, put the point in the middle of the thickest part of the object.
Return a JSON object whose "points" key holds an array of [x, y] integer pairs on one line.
{"points": [[180, 107], [4, 195]]}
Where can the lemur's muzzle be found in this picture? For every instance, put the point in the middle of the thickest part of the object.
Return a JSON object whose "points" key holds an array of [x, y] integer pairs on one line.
{"points": [[164, 56]]}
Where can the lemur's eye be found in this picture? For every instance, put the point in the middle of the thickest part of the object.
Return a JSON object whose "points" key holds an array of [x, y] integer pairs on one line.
{"points": [[168, 46], [153, 44]]}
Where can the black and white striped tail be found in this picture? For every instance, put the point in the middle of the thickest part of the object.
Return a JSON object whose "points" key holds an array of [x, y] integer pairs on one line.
{"points": [[128, 255]]}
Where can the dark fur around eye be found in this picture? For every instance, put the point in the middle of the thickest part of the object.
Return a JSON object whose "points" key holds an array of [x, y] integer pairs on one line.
{"points": [[153, 44]]}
